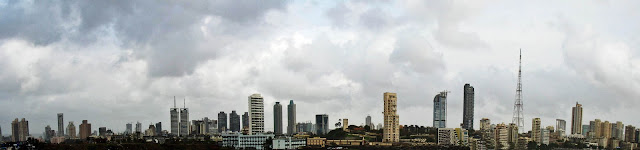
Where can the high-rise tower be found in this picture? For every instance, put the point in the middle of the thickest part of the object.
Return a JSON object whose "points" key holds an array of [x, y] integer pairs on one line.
{"points": [[256, 114], [291, 119], [277, 118], [576, 119], [440, 110], [391, 131], [467, 114], [184, 120], [518, 116], [175, 125], [60, 125]]}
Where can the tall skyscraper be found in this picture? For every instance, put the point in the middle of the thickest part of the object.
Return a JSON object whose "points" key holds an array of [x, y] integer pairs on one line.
{"points": [[535, 130], [440, 110], [256, 114], [597, 128], [245, 121], [513, 134], [184, 120], [139, 127], [561, 127], [175, 119], [291, 119], [129, 129], [322, 124], [234, 121], [48, 133], [19, 130], [368, 122], [467, 114], [391, 131], [222, 122], [518, 114], [576, 119], [277, 118], [60, 125], [71, 130], [158, 128], [85, 130]]}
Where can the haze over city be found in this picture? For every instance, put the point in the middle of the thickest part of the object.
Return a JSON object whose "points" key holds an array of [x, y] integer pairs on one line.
{"points": [[116, 62]]}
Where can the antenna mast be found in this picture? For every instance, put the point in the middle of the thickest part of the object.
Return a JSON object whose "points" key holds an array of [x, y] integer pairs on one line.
{"points": [[518, 115], [174, 101]]}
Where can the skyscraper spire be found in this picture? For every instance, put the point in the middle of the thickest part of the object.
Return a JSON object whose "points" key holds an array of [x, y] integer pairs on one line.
{"points": [[174, 101], [518, 116], [185, 103]]}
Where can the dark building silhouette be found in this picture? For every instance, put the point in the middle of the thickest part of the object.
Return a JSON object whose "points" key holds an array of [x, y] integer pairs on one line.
{"points": [[291, 120], [222, 121], [468, 107], [277, 118], [245, 120], [322, 124], [234, 121]]}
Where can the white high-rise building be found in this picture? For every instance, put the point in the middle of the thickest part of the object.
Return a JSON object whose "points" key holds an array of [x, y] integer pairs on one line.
{"points": [[256, 114], [561, 127]]}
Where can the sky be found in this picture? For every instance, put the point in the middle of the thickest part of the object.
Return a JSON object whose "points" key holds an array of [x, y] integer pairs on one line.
{"points": [[114, 62]]}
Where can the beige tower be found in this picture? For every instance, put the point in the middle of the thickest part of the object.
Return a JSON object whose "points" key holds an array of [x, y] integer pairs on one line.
{"points": [[535, 130], [605, 128], [576, 119], [391, 132]]}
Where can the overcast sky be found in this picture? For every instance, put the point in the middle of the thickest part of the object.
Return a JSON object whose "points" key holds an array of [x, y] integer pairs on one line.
{"points": [[113, 62]]}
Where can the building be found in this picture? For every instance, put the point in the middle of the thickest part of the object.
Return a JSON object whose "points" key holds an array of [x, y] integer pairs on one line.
{"points": [[512, 134], [19, 130], [139, 127], [102, 131], [535, 130], [605, 128], [485, 124], [595, 127], [245, 121], [440, 110], [222, 122], [544, 136], [561, 127], [368, 122], [305, 127], [576, 119], [501, 135], [288, 143], [345, 124], [447, 136], [462, 136], [184, 120], [240, 141], [277, 118], [391, 131], [175, 119], [291, 118], [234, 121], [158, 128], [618, 131], [85, 129], [585, 130], [48, 133], [322, 124], [71, 130], [60, 125], [316, 141], [468, 107], [256, 114], [129, 128], [151, 131], [630, 133]]}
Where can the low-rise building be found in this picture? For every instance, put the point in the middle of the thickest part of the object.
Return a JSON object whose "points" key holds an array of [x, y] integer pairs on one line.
{"points": [[316, 141], [289, 143], [241, 141]]}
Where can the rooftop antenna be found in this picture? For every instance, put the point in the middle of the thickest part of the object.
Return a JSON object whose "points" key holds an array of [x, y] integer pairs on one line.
{"points": [[174, 101], [185, 102], [518, 115]]}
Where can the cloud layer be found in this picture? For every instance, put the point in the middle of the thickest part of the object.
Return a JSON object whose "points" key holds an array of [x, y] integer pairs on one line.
{"points": [[118, 62]]}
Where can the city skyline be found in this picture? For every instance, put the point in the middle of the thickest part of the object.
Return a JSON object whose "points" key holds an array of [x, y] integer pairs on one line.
{"points": [[110, 67]]}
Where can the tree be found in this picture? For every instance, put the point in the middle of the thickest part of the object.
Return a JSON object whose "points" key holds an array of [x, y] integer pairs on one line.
{"points": [[268, 143]]}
